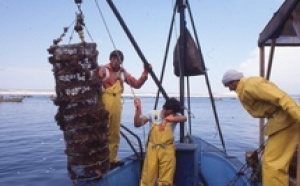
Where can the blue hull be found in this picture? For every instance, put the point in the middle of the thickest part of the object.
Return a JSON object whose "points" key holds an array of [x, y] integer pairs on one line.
{"points": [[197, 164], [127, 175], [216, 168]]}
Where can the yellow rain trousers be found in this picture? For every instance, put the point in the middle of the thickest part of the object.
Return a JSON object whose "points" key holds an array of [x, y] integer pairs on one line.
{"points": [[111, 98], [160, 162], [263, 99], [278, 154]]}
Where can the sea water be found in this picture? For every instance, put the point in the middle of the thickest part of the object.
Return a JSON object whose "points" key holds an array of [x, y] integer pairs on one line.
{"points": [[32, 145]]}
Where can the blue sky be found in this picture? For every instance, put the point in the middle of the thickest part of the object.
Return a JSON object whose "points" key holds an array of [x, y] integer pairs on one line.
{"points": [[228, 32]]}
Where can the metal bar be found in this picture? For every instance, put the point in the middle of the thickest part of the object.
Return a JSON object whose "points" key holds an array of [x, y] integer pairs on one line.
{"points": [[166, 54], [182, 47], [298, 165], [136, 47], [262, 74], [136, 136], [271, 59], [129, 143], [207, 80], [189, 105]]}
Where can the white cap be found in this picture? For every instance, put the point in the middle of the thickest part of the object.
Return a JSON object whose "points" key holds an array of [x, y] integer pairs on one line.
{"points": [[231, 75]]}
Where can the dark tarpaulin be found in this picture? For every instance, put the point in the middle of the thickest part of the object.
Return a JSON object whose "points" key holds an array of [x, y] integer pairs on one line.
{"points": [[193, 61], [283, 26]]}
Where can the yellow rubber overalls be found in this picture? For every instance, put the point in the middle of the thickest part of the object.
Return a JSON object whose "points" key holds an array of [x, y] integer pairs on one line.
{"points": [[160, 162], [111, 98], [262, 99]]}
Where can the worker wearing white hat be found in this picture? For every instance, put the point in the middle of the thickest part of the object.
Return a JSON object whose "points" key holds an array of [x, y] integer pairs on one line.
{"points": [[263, 99]]}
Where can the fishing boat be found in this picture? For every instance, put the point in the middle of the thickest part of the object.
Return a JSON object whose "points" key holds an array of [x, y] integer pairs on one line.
{"points": [[198, 162], [11, 99]]}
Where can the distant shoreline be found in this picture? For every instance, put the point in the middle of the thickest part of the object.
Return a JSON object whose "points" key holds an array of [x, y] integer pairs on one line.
{"points": [[26, 92], [49, 92]]}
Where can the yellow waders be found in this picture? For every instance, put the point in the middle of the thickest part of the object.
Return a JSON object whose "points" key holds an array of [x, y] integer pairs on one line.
{"points": [[263, 99], [160, 159], [278, 153], [112, 101]]}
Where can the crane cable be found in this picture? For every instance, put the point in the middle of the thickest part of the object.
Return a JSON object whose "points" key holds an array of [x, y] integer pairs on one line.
{"points": [[80, 20], [114, 46], [111, 39]]}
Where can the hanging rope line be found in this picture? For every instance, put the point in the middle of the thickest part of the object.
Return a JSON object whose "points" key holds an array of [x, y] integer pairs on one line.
{"points": [[60, 38], [111, 39], [80, 20], [136, 47], [114, 46], [79, 24], [105, 24]]}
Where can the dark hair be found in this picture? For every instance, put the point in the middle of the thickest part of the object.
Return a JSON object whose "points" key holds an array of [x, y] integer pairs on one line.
{"points": [[173, 104], [116, 53]]}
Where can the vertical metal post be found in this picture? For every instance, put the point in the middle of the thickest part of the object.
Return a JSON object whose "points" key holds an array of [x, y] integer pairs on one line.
{"points": [[182, 48], [298, 165], [262, 74], [271, 55]]}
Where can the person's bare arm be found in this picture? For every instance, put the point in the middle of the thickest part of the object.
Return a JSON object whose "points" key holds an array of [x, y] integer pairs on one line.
{"points": [[172, 119], [139, 120], [175, 118]]}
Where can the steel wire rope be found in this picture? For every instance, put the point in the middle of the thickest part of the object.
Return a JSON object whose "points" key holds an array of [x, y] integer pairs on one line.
{"points": [[83, 24], [60, 38], [206, 79], [114, 46], [110, 37]]}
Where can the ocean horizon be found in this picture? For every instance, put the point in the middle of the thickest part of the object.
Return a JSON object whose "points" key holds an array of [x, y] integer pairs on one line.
{"points": [[51, 92]]}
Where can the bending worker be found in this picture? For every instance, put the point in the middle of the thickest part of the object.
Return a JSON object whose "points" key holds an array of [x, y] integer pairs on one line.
{"points": [[113, 76], [160, 161], [263, 99]]}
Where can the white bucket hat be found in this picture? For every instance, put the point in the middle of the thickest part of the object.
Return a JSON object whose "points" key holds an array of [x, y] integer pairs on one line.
{"points": [[231, 75]]}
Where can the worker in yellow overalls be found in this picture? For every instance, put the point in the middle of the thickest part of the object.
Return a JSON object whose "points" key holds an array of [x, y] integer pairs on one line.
{"points": [[160, 162], [263, 99], [113, 76]]}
